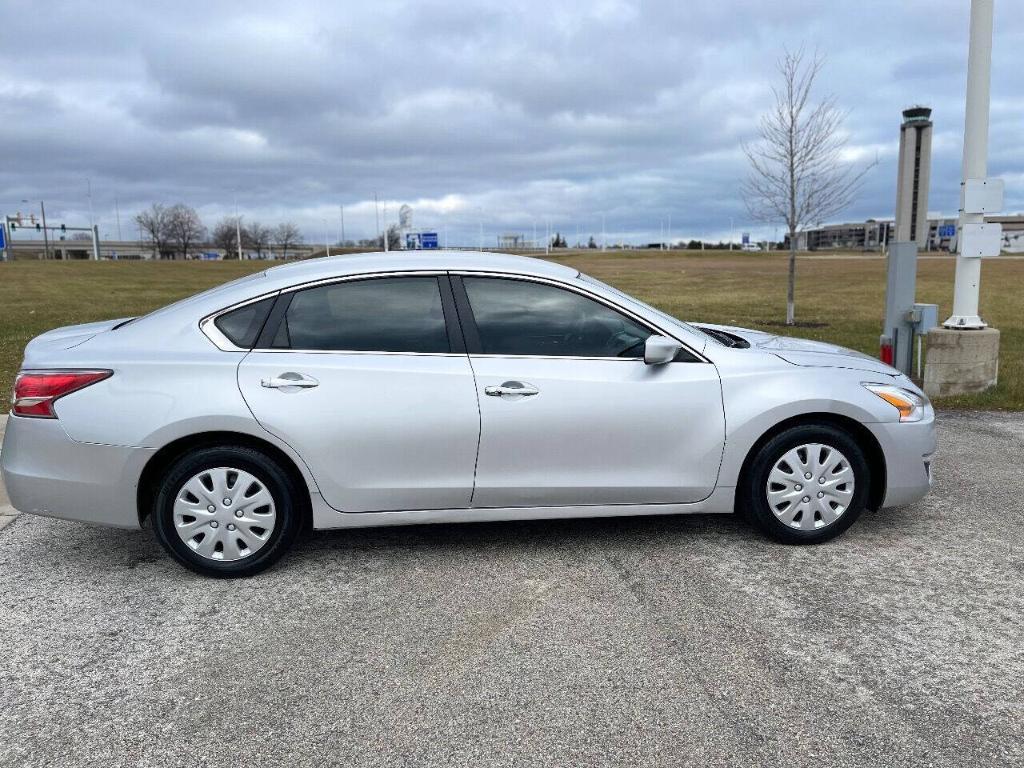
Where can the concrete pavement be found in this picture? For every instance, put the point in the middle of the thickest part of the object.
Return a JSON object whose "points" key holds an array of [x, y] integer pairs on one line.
{"points": [[637, 642]]}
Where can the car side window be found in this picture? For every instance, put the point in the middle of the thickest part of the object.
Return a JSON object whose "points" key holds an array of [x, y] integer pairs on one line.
{"points": [[387, 314], [243, 325], [519, 317]]}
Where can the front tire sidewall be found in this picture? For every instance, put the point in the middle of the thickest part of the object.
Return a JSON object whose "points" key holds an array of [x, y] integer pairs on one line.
{"points": [[263, 468], [755, 504]]}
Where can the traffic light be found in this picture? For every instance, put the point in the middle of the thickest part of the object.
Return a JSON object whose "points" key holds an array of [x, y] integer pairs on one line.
{"points": [[13, 225], [38, 226], [63, 228]]}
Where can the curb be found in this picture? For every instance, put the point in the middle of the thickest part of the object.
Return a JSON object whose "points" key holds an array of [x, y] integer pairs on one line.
{"points": [[7, 515], [7, 512]]}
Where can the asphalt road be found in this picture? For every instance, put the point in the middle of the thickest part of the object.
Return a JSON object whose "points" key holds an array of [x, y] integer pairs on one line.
{"points": [[655, 641]]}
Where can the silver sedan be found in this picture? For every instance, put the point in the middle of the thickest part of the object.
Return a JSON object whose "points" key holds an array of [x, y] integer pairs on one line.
{"points": [[424, 387]]}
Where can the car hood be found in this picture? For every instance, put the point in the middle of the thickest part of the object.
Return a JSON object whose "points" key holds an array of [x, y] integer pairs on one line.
{"points": [[808, 353]]}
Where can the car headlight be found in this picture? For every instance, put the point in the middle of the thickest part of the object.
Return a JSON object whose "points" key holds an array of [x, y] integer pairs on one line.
{"points": [[910, 404]]}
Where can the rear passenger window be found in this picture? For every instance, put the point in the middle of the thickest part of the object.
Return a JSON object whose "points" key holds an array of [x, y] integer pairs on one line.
{"points": [[243, 325], [387, 314]]}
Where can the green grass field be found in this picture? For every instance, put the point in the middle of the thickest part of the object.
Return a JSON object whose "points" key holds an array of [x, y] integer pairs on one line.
{"points": [[841, 297]]}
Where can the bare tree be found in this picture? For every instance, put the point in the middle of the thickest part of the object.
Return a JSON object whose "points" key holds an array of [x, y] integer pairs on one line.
{"points": [[286, 236], [154, 223], [225, 236], [797, 174], [184, 228], [259, 237]]}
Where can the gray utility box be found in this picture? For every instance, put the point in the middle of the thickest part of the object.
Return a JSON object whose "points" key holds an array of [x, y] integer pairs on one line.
{"points": [[923, 317]]}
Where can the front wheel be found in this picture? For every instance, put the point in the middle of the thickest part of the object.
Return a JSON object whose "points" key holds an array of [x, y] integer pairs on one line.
{"points": [[226, 511], [806, 485]]}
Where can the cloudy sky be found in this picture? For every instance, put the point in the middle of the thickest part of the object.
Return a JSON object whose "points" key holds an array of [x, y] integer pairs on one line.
{"points": [[507, 115]]}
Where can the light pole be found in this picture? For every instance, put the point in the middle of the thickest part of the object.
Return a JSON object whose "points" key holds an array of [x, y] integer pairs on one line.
{"points": [[88, 194], [342, 208], [963, 354], [376, 214], [238, 230], [975, 163], [327, 239]]}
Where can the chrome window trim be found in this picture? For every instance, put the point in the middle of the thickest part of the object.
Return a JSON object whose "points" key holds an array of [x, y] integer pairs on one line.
{"points": [[209, 328], [222, 342], [353, 352], [653, 327]]}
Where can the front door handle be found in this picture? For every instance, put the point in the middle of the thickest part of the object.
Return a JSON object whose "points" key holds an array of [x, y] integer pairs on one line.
{"points": [[289, 380], [513, 388]]}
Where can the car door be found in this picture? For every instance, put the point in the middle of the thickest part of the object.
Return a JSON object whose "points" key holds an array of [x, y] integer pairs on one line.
{"points": [[368, 381], [570, 414]]}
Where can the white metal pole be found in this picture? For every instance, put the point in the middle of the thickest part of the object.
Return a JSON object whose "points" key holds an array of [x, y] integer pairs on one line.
{"points": [[342, 208], [604, 235], [327, 239], [238, 230], [88, 193], [975, 162], [117, 214], [376, 213], [386, 233]]}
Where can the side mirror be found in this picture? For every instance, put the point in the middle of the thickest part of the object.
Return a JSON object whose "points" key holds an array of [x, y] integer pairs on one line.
{"points": [[660, 349]]}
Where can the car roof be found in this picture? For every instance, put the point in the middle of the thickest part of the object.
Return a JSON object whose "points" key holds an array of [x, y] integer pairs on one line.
{"points": [[396, 261]]}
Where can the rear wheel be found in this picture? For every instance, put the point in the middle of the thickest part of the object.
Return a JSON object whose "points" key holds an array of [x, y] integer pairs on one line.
{"points": [[806, 485], [226, 511]]}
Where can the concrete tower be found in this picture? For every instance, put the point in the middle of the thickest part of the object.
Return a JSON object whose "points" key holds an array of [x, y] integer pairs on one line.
{"points": [[903, 318], [913, 177]]}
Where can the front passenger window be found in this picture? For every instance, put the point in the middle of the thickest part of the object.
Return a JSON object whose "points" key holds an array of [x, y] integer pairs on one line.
{"points": [[519, 317]]}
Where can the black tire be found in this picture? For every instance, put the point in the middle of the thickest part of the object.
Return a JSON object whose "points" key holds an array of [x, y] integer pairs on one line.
{"points": [[275, 479], [754, 484]]}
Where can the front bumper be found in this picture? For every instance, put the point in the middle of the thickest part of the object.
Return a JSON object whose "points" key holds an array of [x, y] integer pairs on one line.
{"points": [[908, 449], [48, 473]]}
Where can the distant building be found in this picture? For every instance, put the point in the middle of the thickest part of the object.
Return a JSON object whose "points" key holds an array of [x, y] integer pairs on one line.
{"points": [[874, 235], [512, 240]]}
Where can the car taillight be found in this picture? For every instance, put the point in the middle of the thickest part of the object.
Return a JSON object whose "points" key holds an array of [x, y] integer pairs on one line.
{"points": [[36, 391]]}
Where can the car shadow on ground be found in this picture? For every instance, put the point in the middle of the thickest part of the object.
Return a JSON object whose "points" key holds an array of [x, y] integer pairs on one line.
{"points": [[98, 548]]}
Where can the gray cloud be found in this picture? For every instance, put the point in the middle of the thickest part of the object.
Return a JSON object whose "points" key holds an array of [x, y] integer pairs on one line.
{"points": [[512, 115]]}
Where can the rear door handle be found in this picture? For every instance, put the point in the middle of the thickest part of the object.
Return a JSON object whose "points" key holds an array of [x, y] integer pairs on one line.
{"points": [[289, 380], [514, 388]]}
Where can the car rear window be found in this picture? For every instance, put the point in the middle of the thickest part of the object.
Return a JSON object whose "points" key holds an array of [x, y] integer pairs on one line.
{"points": [[243, 325]]}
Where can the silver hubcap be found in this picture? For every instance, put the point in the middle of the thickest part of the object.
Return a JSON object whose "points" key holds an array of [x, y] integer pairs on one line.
{"points": [[224, 514], [810, 486]]}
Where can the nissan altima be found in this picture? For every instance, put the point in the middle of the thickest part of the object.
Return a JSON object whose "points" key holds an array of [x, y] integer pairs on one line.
{"points": [[435, 386]]}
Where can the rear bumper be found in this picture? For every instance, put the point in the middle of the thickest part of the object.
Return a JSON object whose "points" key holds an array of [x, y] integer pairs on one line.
{"points": [[48, 473], [908, 449]]}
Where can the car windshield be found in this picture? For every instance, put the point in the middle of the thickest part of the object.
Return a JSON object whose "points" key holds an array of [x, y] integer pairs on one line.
{"points": [[653, 310]]}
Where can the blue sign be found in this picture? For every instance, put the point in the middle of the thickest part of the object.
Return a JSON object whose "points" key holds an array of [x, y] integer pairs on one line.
{"points": [[3, 236], [421, 241], [947, 230]]}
